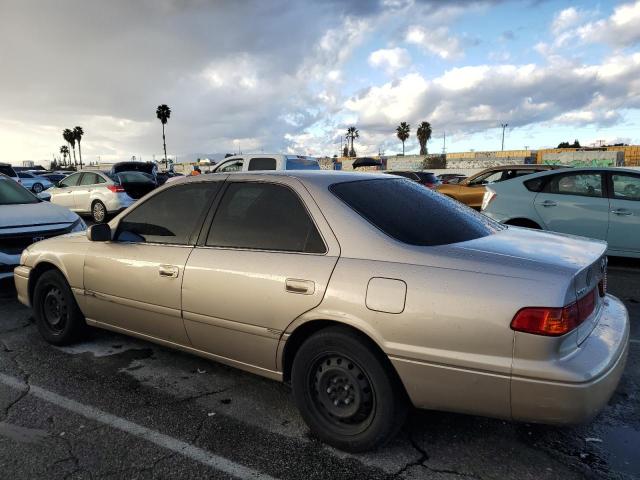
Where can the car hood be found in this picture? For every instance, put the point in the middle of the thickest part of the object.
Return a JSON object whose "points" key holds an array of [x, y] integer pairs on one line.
{"points": [[31, 214], [553, 249]]}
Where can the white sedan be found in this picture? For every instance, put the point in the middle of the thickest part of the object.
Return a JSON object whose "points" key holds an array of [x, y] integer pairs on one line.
{"points": [[601, 203]]}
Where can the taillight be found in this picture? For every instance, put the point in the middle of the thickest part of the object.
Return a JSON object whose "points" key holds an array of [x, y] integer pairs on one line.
{"points": [[429, 185], [554, 322], [488, 197], [115, 188]]}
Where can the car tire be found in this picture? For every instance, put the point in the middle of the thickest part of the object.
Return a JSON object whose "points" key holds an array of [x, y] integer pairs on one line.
{"points": [[57, 315], [347, 391], [37, 188], [98, 211]]}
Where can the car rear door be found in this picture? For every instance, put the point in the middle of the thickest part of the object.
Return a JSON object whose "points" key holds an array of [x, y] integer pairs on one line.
{"points": [[82, 193], [133, 282], [624, 218], [266, 259], [575, 203]]}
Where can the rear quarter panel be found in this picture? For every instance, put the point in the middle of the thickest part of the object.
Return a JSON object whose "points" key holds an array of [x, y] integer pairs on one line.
{"points": [[452, 343]]}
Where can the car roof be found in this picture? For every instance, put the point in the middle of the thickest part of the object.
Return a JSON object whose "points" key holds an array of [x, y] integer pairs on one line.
{"points": [[315, 177]]}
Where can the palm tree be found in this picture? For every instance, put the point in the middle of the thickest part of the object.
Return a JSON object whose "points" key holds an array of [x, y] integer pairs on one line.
{"points": [[352, 133], [64, 150], [163, 112], [402, 132], [70, 137], [77, 135], [424, 135]]}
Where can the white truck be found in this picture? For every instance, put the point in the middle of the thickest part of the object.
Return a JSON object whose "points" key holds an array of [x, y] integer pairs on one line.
{"points": [[264, 161]]}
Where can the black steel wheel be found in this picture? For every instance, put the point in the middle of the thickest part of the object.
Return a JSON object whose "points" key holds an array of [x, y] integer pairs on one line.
{"points": [[57, 315], [347, 391]]}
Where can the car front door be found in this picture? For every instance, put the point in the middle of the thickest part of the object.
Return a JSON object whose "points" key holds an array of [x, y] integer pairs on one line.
{"points": [[133, 282], [63, 193], [575, 203], [624, 218], [266, 259]]}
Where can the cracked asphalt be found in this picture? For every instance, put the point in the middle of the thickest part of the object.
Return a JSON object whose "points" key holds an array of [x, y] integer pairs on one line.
{"points": [[116, 407]]}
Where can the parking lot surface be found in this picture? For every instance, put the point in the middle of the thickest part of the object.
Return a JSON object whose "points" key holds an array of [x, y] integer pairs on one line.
{"points": [[117, 407]]}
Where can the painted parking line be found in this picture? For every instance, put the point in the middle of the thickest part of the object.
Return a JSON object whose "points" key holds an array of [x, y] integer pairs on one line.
{"points": [[178, 446]]}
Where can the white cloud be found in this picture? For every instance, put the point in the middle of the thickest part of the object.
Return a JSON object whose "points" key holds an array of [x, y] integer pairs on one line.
{"points": [[390, 59], [621, 29], [435, 41], [565, 19]]}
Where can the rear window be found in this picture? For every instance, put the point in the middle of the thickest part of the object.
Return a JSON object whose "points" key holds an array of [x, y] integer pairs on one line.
{"points": [[413, 214], [134, 177], [301, 163]]}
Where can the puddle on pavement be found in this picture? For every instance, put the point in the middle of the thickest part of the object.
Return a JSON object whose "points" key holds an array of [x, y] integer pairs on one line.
{"points": [[620, 449]]}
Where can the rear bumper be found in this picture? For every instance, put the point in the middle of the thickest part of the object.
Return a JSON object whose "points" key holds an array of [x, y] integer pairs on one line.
{"points": [[599, 361]]}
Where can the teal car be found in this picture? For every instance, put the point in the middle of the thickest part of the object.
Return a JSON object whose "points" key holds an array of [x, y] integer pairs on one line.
{"points": [[601, 203]]}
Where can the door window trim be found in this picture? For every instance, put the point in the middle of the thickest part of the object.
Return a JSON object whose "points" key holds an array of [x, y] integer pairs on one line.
{"points": [[197, 229], [204, 233]]}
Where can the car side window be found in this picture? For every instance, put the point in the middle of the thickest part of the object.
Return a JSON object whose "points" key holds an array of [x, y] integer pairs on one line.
{"points": [[576, 183], [170, 217], [24, 175], [70, 181], [264, 216], [232, 166], [262, 164], [626, 187], [89, 179], [488, 177]]}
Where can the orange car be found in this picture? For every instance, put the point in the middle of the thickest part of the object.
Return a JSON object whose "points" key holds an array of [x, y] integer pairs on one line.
{"points": [[471, 190]]}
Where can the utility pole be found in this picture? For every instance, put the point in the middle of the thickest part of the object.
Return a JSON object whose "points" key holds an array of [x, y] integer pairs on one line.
{"points": [[444, 142], [503, 125]]}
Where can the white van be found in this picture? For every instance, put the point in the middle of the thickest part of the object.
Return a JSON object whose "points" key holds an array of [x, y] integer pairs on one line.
{"points": [[264, 161]]}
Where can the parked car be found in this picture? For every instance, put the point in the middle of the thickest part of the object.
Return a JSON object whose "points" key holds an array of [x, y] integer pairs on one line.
{"points": [[54, 177], [25, 219], [264, 161], [451, 177], [471, 190], [602, 203], [150, 168], [7, 169], [363, 305], [427, 179], [100, 194], [33, 182]]}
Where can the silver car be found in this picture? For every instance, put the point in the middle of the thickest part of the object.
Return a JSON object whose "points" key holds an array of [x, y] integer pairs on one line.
{"points": [[25, 219], [99, 194], [33, 182], [366, 292]]}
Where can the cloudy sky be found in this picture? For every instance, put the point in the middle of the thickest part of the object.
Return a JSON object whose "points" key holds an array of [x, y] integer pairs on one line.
{"points": [[292, 76]]}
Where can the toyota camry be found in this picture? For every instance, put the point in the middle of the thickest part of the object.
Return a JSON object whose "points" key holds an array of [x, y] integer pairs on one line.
{"points": [[367, 293]]}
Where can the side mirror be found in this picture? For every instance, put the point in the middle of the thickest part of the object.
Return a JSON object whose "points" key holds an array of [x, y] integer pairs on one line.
{"points": [[100, 232], [46, 196]]}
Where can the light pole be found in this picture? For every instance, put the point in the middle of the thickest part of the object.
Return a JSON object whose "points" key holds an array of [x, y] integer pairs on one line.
{"points": [[503, 125]]}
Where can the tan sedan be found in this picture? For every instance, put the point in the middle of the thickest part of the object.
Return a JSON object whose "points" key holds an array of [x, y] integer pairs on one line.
{"points": [[368, 293], [470, 191]]}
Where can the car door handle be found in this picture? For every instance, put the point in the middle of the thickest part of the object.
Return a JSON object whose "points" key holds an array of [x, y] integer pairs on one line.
{"points": [[304, 287], [621, 211], [169, 271], [549, 203]]}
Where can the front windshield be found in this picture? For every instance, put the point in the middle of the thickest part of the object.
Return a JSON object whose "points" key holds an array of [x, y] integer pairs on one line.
{"points": [[13, 194]]}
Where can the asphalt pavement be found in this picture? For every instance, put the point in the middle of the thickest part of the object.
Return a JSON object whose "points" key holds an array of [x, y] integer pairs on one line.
{"points": [[117, 407]]}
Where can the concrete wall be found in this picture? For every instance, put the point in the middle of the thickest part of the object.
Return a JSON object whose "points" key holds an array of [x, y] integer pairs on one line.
{"points": [[584, 158]]}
